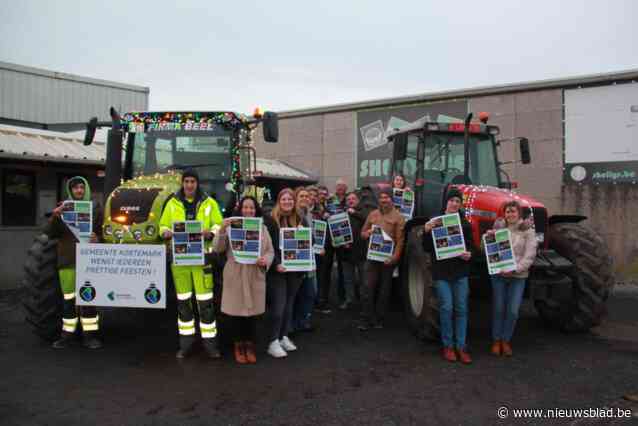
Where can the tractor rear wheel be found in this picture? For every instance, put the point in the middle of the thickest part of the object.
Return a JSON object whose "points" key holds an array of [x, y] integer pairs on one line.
{"points": [[592, 279], [42, 294], [417, 291]]}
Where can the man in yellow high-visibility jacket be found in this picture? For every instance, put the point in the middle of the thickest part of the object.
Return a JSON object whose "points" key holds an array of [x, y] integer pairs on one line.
{"points": [[191, 203]]}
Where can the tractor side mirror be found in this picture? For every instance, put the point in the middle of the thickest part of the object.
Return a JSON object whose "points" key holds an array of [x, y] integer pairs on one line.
{"points": [[91, 127], [526, 158], [400, 147], [270, 126]]}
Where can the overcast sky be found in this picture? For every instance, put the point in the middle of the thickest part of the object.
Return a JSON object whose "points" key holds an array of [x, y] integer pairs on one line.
{"points": [[284, 55]]}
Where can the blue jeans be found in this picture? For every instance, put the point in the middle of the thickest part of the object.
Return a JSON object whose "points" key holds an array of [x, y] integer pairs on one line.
{"points": [[305, 302], [507, 295], [453, 300]]}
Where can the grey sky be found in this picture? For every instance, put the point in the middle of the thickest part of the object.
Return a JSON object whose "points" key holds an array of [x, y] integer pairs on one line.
{"points": [[285, 55]]}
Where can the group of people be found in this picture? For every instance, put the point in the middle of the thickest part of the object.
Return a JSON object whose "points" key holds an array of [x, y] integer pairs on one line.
{"points": [[292, 296]]}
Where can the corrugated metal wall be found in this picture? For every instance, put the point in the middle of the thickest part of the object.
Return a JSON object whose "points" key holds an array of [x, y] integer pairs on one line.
{"points": [[40, 96]]}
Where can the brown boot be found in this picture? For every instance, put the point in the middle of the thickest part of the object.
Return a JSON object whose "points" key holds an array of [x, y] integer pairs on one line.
{"points": [[507, 348], [251, 357], [496, 348], [240, 354], [464, 356], [449, 354]]}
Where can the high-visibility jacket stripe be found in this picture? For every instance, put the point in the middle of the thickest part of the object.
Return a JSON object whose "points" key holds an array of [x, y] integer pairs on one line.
{"points": [[205, 326], [70, 321], [93, 320], [181, 323], [69, 328], [90, 327], [208, 334], [187, 331], [69, 296], [184, 296], [204, 296]]}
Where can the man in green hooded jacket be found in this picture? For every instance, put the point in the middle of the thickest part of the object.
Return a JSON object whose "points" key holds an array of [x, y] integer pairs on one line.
{"points": [[77, 189]]}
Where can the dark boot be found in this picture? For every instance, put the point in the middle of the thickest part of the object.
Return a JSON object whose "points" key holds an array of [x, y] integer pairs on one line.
{"points": [[210, 346], [90, 340], [66, 339], [186, 345]]}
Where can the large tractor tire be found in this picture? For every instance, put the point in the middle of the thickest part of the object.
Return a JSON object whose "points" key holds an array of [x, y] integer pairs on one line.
{"points": [[417, 291], [42, 294], [593, 279]]}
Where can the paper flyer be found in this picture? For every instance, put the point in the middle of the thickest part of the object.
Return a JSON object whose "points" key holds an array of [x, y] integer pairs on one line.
{"points": [[333, 206], [403, 200], [340, 229], [319, 230], [296, 249], [188, 243], [381, 246], [78, 217], [245, 239], [499, 253], [448, 236]]}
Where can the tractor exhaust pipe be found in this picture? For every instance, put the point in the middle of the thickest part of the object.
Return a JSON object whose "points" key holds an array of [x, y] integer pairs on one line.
{"points": [[113, 172], [466, 149]]}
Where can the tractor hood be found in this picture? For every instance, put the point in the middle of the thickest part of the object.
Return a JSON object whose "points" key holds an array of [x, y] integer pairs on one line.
{"points": [[487, 201], [133, 209]]}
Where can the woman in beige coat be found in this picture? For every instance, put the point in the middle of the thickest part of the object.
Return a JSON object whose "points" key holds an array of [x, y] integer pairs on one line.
{"points": [[244, 294], [508, 287]]}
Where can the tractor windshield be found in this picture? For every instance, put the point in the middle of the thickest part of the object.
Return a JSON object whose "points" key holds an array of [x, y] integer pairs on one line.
{"points": [[444, 158], [206, 152]]}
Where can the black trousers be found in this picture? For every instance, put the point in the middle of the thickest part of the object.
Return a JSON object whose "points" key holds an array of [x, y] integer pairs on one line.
{"points": [[244, 329], [376, 291]]}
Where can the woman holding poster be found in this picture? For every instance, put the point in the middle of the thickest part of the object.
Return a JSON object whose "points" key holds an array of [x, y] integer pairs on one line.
{"points": [[398, 182], [450, 276], [282, 286], [244, 295], [508, 287]]}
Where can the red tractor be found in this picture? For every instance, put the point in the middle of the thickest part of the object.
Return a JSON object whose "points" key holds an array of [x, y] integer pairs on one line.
{"points": [[572, 276]]}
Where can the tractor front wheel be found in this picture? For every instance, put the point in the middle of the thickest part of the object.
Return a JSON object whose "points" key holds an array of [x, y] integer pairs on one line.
{"points": [[417, 291], [592, 279]]}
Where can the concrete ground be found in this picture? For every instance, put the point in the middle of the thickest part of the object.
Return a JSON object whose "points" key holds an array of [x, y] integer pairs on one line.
{"points": [[339, 376]]}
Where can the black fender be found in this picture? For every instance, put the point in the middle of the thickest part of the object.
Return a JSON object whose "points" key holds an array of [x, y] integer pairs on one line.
{"points": [[566, 218]]}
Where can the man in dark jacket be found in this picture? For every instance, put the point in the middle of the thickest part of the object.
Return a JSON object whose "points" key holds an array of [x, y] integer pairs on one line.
{"points": [[353, 255], [450, 277], [77, 190]]}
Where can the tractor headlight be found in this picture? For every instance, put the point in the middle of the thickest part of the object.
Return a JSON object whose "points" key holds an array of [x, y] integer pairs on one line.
{"points": [[108, 230], [118, 234], [150, 230], [137, 234]]}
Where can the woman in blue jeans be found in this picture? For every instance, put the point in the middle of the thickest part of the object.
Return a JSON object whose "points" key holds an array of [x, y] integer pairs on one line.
{"points": [[450, 277], [508, 288]]}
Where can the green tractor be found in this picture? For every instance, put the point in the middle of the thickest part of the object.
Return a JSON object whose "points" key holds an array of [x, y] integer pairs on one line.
{"points": [[146, 153], [572, 276]]}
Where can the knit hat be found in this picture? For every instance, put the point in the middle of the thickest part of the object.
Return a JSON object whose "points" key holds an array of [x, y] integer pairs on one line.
{"points": [[190, 173], [452, 193], [386, 190]]}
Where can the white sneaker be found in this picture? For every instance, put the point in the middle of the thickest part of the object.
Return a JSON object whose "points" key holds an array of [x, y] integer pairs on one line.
{"points": [[275, 349], [287, 344]]}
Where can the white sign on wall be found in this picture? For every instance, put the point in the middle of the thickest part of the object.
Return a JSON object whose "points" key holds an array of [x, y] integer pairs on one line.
{"points": [[601, 133], [117, 275]]}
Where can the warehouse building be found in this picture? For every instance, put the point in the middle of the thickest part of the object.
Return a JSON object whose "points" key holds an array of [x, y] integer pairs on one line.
{"points": [[35, 160], [583, 133]]}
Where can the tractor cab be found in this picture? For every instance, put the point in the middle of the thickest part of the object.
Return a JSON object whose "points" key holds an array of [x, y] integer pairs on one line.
{"points": [[148, 151], [433, 155]]}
